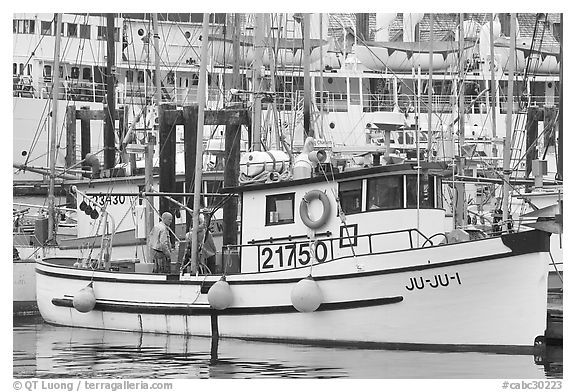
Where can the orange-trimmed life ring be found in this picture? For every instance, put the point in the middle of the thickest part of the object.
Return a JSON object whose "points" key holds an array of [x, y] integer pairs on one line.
{"points": [[308, 197]]}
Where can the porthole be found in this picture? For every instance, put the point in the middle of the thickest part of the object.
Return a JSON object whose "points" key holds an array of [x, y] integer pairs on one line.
{"points": [[140, 32], [187, 35], [24, 153], [332, 125], [330, 80]]}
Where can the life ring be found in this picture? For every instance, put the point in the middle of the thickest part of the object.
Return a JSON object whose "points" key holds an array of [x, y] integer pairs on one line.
{"points": [[308, 197]]}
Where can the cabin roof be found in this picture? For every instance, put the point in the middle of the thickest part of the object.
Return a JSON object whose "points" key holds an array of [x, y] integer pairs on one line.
{"points": [[346, 175]]}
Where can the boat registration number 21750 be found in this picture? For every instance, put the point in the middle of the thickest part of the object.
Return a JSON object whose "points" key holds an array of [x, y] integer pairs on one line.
{"points": [[292, 255]]}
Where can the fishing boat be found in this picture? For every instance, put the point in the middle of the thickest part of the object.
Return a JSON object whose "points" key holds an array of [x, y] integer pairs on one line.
{"points": [[383, 274]]}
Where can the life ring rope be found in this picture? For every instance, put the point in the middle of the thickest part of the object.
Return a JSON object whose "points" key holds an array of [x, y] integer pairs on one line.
{"points": [[307, 199]]}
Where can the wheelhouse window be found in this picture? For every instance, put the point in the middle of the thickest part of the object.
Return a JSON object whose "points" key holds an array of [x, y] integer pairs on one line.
{"points": [[101, 34], [384, 193], [24, 26], [280, 209], [130, 76], [72, 30], [426, 191], [46, 28], [350, 195], [85, 31], [47, 73], [75, 72], [87, 74]]}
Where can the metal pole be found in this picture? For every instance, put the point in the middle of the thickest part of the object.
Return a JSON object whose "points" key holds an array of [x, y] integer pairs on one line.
{"points": [[198, 175], [55, 92]]}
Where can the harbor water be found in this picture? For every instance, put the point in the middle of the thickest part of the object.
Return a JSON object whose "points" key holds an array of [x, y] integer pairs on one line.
{"points": [[47, 351]]}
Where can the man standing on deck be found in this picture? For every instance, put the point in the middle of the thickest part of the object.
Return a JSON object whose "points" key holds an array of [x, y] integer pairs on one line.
{"points": [[160, 248]]}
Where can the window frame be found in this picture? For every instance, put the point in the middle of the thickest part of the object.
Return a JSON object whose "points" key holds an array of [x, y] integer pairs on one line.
{"points": [[85, 31], [279, 196], [431, 195], [341, 196], [400, 179], [72, 29], [44, 30]]}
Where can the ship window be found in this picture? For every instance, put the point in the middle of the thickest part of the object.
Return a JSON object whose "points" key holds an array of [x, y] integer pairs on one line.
{"points": [[86, 73], [21, 69], [29, 69], [280, 209], [170, 78], [129, 76], [46, 28], [85, 31], [426, 191], [101, 32], [140, 76], [47, 73], [74, 73], [72, 30], [194, 79], [384, 193], [350, 194], [14, 69]]}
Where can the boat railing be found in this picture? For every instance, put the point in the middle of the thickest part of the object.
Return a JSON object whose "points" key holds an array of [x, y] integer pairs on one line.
{"points": [[360, 245]]}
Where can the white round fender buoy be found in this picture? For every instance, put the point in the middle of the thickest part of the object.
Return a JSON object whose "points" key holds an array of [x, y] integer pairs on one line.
{"points": [[220, 295], [85, 300], [306, 296]]}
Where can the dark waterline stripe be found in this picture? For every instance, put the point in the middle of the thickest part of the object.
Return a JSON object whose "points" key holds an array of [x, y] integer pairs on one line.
{"points": [[183, 310]]}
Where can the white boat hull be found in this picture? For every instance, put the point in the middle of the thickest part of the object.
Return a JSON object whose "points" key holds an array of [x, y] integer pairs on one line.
{"points": [[24, 286], [482, 293]]}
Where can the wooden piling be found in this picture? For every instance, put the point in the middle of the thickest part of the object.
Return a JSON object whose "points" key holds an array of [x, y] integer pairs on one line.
{"points": [[110, 107], [70, 135], [167, 158], [190, 117], [215, 336], [232, 135], [84, 139]]}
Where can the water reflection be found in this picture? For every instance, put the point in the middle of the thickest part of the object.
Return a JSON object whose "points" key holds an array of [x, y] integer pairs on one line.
{"points": [[47, 351]]}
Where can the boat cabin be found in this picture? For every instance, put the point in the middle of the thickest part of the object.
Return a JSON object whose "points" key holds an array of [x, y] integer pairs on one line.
{"points": [[358, 212]]}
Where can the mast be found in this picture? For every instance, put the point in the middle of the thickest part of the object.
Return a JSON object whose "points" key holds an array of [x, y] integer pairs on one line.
{"points": [[198, 176], [157, 85], [560, 157], [259, 45], [430, 59], [109, 137], [306, 72], [493, 88], [507, 153], [55, 92], [321, 80], [459, 203]]}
